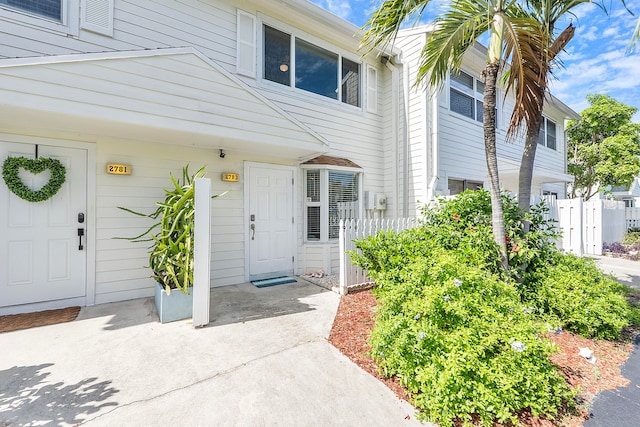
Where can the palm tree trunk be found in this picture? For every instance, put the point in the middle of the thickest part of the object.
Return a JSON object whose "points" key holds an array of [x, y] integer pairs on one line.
{"points": [[489, 124], [525, 176]]}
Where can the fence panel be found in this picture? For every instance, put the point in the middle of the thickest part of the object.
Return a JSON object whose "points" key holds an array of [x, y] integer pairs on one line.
{"points": [[613, 222], [356, 229], [632, 217], [569, 215]]}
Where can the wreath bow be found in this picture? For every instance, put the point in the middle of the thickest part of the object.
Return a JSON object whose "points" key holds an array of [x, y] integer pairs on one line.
{"points": [[11, 168]]}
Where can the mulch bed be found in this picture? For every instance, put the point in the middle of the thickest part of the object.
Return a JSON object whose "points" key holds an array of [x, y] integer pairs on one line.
{"points": [[354, 321], [14, 322]]}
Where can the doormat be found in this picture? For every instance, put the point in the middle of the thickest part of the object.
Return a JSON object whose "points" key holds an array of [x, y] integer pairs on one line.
{"points": [[272, 282], [14, 322]]}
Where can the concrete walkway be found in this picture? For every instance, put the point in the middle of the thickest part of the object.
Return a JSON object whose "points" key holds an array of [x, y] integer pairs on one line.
{"points": [[620, 407], [263, 361]]}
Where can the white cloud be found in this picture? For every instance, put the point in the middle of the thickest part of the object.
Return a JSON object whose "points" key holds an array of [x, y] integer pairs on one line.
{"points": [[342, 8]]}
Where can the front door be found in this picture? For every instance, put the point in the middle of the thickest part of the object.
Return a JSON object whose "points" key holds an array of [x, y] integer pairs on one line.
{"points": [[270, 221], [40, 254]]}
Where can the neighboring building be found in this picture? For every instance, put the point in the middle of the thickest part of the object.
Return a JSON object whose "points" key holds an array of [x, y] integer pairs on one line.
{"points": [[445, 138], [272, 90], [629, 195]]}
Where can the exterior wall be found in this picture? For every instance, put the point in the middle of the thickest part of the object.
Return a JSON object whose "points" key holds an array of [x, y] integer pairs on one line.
{"points": [[456, 141], [210, 28], [419, 154]]}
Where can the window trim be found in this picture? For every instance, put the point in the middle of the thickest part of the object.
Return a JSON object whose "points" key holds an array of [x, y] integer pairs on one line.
{"points": [[324, 196], [263, 20], [543, 128], [68, 25], [465, 183], [475, 96]]}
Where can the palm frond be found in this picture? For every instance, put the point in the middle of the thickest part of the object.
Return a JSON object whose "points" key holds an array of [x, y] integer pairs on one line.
{"points": [[381, 29]]}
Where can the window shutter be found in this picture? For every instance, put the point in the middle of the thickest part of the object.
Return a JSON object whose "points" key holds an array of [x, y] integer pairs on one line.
{"points": [[246, 44], [97, 16], [372, 89]]}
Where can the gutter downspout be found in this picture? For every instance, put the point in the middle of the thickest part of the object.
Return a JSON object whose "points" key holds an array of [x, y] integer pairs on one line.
{"points": [[395, 92], [405, 137], [431, 193]]}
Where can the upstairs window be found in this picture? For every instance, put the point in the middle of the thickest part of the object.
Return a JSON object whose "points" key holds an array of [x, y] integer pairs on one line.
{"points": [[294, 62], [466, 95], [48, 8], [547, 135]]}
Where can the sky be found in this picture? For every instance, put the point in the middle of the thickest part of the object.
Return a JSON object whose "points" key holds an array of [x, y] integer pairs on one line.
{"points": [[594, 62]]}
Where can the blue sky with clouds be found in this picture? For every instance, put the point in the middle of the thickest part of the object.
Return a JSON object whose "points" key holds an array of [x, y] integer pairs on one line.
{"points": [[595, 60]]}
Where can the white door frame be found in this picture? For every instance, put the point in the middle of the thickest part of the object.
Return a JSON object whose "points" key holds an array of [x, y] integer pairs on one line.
{"points": [[90, 219], [294, 201]]}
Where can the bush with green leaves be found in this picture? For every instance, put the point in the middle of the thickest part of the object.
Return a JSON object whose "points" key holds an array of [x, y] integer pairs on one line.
{"points": [[459, 339], [573, 293], [632, 239], [465, 337]]}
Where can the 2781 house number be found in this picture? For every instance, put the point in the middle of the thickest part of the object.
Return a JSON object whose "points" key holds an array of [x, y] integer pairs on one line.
{"points": [[116, 169]]}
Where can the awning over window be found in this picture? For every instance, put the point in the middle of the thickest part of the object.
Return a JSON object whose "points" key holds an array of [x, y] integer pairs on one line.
{"points": [[332, 161]]}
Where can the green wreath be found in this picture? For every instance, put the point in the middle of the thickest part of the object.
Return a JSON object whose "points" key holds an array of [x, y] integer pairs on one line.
{"points": [[12, 165]]}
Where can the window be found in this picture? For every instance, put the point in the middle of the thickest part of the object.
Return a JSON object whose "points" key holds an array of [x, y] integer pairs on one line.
{"points": [[457, 186], [315, 69], [628, 203], [47, 8], [330, 195], [466, 95], [547, 135]]}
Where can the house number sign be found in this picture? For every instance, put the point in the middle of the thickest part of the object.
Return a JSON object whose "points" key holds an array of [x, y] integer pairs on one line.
{"points": [[230, 177], [116, 169]]}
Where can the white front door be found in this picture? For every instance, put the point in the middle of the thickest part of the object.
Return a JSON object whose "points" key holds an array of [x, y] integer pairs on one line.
{"points": [[270, 220], [40, 254]]}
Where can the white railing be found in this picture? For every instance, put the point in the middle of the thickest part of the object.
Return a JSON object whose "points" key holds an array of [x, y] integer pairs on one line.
{"points": [[356, 229]]}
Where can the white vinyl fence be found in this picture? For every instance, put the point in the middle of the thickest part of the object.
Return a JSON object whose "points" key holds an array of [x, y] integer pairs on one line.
{"points": [[586, 226], [356, 229], [632, 217]]}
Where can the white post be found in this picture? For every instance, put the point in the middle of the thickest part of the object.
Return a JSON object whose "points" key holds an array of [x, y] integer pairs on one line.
{"points": [[343, 261], [202, 253]]}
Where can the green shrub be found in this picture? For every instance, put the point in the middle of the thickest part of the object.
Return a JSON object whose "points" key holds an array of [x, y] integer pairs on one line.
{"points": [[632, 239], [451, 322], [452, 334], [575, 294]]}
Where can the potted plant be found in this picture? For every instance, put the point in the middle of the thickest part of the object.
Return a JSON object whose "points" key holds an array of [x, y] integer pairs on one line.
{"points": [[171, 253]]}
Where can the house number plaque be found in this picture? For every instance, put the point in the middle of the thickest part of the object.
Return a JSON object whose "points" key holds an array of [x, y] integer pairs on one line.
{"points": [[230, 177], [116, 169]]}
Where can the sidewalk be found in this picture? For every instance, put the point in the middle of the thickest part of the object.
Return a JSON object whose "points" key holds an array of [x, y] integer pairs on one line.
{"points": [[263, 361], [620, 407]]}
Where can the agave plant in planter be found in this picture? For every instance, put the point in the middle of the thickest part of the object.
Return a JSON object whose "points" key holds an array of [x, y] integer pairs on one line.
{"points": [[171, 253]]}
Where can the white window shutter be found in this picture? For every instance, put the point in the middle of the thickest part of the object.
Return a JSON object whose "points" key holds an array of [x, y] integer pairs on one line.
{"points": [[246, 44], [372, 89], [97, 16]]}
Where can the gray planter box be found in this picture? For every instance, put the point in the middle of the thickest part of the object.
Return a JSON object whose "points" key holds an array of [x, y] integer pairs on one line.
{"points": [[176, 306]]}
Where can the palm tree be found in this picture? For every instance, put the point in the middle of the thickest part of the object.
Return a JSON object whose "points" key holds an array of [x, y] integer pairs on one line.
{"points": [[530, 78], [455, 31]]}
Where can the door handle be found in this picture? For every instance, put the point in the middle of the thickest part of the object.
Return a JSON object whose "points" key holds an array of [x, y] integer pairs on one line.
{"points": [[80, 234], [253, 231]]}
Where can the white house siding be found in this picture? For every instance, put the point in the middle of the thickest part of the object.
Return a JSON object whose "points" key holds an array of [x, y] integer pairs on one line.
{"points": [[460, 146], [119, 272], [419, 161], [157, 109]]}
